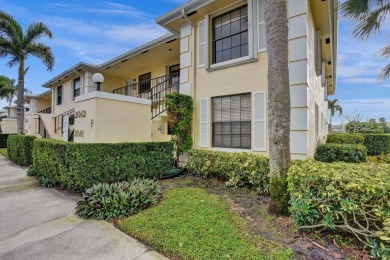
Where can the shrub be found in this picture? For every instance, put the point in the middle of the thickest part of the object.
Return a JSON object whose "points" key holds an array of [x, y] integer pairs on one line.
{"points": [[3, 140], [340, 196], [341, 153], [345, 139], [377, 144], [180, 109], [120, 199], [237, 169], [20, 149], [78, 166], [364, 128]]}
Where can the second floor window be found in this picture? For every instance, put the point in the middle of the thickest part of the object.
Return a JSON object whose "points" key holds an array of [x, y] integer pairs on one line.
{"points": [[230, 35], [76, 87], [59, 95]]}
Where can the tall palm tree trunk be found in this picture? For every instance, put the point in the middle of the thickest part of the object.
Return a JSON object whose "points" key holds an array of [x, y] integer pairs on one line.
{"points": [[278, 103], [20, 100]]}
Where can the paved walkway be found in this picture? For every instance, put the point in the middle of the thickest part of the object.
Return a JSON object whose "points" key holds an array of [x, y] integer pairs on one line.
{"points": [[38, 223]]}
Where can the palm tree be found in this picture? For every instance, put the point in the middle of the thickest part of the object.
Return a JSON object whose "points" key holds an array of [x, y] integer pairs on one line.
{"points": [[370, 16], [278, 103], [334, 107], [18, 44], [9, 89]]}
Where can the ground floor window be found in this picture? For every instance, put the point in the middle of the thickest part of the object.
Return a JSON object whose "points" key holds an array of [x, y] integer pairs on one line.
{"points": [[231, 117]]}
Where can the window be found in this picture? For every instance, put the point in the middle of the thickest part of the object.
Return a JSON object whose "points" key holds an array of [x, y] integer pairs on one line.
{"points": [[76, 87], [232, 121], [230, 35], [59, 95], [144, 82]]}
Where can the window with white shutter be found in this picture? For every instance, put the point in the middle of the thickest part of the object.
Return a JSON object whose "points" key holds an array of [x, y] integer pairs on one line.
{"points": [[259, 121], [204, 123], [202, 44], [261, 41]]}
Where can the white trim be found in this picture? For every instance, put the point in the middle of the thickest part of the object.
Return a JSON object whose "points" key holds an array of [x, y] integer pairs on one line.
{"points": [[207, 39], [230, 150], [230, 62], [111, 96], [258, 22], [264, 120], [204, 123], [205, 31], [251, 23]]}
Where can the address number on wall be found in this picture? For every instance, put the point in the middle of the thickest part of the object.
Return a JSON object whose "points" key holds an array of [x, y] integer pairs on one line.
{"points": [[80, 114], [79, 133]]}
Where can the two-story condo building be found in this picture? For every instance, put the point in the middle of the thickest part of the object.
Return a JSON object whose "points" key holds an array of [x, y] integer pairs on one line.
{"points": [[216, 52]]}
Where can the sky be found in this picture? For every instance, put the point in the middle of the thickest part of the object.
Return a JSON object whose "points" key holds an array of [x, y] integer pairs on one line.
{"points": [[97, 31]]}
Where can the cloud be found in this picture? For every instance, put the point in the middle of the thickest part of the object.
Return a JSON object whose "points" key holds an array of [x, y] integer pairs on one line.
{"points": [[367, 108]]}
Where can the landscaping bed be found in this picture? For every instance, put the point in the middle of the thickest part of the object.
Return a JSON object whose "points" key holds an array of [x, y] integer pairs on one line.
{"points": [[152, 227]]}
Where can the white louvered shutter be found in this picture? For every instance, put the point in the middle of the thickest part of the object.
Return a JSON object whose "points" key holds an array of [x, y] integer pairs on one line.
{"points": [[202, 46], [259, 122], [204, 123], [261, 26]]}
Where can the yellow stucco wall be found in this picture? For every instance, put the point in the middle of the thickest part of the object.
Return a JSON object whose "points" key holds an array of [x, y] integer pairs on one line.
{"points": [[43, 103], [113, 121], [8, 126]]}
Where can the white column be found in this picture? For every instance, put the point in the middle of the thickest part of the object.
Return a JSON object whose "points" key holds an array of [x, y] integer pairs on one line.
{"points": [[186, 58], [298, 71]]}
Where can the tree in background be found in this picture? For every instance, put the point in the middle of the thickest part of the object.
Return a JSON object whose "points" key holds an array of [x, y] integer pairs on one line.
{"points": [[370, 16], [334, 108], [8, 89], [17, 45], [386, 128], [372, 120], [276, 25]]}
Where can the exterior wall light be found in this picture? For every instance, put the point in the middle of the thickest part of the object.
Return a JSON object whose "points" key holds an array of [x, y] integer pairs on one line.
{"points": [[98, 79], [26, 105]]}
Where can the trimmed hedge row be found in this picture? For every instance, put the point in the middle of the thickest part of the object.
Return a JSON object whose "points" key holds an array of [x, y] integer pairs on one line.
{"points": [[345, 139], [377, 144], [3, 140], [237, 169], [341, 196], [20, 149], [341, 153], [78, 166]]}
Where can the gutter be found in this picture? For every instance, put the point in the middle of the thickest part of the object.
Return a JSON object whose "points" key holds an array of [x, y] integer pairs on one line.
{"points": [[334, 27]]}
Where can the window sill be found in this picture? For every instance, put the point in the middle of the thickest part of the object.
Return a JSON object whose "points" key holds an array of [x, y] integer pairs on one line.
{"points": [[231, 150], [231, 63]]}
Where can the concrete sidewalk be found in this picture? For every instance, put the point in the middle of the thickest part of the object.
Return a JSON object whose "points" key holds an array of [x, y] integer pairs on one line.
{"points": [[38, 223]]}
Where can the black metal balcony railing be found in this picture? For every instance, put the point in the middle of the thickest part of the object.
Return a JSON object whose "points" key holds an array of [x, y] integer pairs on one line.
{"points": [[153, 89], [45, 111]]}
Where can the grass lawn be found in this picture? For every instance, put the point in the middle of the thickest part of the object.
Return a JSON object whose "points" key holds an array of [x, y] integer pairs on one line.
{"points": [[4, 152], [190, 223]]}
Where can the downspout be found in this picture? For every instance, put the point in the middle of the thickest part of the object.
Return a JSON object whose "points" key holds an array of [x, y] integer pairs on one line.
{"points": [[185, 17]]}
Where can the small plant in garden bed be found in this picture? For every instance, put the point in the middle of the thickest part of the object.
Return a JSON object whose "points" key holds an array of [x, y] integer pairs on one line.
{"points": [[116, 200]]}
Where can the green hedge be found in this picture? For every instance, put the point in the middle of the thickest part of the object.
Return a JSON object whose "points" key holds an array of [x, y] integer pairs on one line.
{"points": [[20, 149], [78, 166], [351, 153], [377, 144], [237, 169], [341, 196], [3, 140], [345, 139]]}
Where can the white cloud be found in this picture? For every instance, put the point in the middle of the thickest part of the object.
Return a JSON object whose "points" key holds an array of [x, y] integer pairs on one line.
{"points": [[367, 108]]}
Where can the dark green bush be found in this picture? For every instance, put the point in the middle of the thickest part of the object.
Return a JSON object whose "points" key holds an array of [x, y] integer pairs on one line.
{"points": [[237, 169], [120, 199], [3, 140], [345, 139], [341, 153], [20, 149], [377, 144], [77, 166], [341, 196]]}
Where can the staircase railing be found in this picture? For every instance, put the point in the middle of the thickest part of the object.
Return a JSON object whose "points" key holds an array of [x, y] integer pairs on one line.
{"points": [[59, 120], [158, 98]]}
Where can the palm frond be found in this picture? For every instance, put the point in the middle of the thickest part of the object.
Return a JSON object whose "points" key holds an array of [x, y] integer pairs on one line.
{"points": [[385, 52], [42, 52], [9, 27], [385, 73], [35, 31]]}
